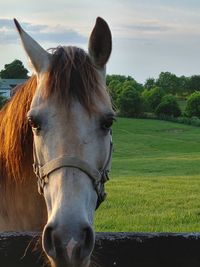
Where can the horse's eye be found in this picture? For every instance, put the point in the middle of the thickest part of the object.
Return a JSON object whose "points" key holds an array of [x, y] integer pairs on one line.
{"points": [[35, 125], [107, 124]]}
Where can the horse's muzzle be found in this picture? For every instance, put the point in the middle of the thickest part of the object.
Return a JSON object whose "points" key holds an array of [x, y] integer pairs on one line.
{"points": [[66, 248]]}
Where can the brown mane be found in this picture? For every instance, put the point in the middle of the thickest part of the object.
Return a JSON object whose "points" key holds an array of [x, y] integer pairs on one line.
{"points": [[71, 76], [73, 71], [14, 132]]}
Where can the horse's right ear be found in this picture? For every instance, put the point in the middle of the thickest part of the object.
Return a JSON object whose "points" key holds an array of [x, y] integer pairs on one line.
{"points": [[100, 43], [39, 57]]}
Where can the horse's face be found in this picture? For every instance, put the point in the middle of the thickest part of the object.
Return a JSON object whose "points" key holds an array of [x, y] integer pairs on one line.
{"points": [[67, 134], [69, 193]]}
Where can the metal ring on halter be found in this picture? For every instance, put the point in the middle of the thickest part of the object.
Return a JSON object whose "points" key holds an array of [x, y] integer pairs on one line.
{"points": [[98, 177]]}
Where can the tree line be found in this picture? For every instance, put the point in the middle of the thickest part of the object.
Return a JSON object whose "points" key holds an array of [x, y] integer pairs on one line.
{"points": [[132, 99], [156, 96]]}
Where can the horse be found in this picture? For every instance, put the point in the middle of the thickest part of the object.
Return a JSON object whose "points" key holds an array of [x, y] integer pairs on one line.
{"points": [[55, 137]]}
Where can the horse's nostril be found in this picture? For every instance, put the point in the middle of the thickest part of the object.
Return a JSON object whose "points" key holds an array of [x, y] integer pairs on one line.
{"points": [[87, 243], [48, 242]]}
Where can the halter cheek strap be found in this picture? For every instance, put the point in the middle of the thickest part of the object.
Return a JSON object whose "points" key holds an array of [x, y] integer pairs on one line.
{"points": [[98, 177]]}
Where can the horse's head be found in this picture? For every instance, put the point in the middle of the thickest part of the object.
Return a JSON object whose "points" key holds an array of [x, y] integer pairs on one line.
{"points": [[71, 118]]}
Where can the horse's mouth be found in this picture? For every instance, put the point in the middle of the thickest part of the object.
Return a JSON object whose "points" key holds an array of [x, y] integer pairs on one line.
{"points": [[63, 261]]}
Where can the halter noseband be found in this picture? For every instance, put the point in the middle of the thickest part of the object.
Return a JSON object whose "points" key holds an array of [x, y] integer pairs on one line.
{"points": [[98, 177]]}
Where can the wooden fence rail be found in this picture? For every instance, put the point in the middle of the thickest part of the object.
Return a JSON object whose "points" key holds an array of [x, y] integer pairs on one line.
{"points": [[111, 250]]}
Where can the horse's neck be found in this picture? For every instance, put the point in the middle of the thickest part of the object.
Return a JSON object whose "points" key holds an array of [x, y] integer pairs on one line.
{"points": [[21, 207]]}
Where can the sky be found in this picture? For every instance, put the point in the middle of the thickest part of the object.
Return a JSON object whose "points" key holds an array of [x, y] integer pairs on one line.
{"points": [[149, 36]]}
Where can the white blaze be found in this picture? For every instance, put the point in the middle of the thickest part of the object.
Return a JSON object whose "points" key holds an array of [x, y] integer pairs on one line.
{"points": [[70, 247]]}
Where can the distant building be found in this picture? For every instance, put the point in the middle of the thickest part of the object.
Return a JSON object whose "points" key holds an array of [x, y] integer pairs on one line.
{"points": [[6, 86]]}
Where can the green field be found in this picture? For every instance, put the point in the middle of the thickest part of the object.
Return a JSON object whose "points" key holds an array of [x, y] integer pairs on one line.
{"points": [[155, 178]]}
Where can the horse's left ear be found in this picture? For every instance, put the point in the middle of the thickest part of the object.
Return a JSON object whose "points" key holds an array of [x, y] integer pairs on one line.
{"points": [[100, 43]]}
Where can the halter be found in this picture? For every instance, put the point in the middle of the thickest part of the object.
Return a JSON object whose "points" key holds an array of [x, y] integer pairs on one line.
{"points": [[98, 177]]}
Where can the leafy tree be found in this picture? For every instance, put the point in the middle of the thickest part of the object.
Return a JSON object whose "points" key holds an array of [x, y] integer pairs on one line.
{"points": [[115, 89], [150, 83], [194, 83], [14, 70], [193, 105], [134, 84], [184, 85], [168, 106], [169, 82], [114, 84], [130, 102], [117, 83], [152, 98], [145, 99], [116, 78]]}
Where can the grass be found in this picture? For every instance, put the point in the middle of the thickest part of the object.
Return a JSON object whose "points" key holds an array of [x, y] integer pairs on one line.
{"points": [[155, 179]]}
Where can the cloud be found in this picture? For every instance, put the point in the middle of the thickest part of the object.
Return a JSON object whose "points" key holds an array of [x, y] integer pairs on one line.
{"points": [[144, 30], [40, 32], [6, 23], [60, 36], [149, 27]]}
